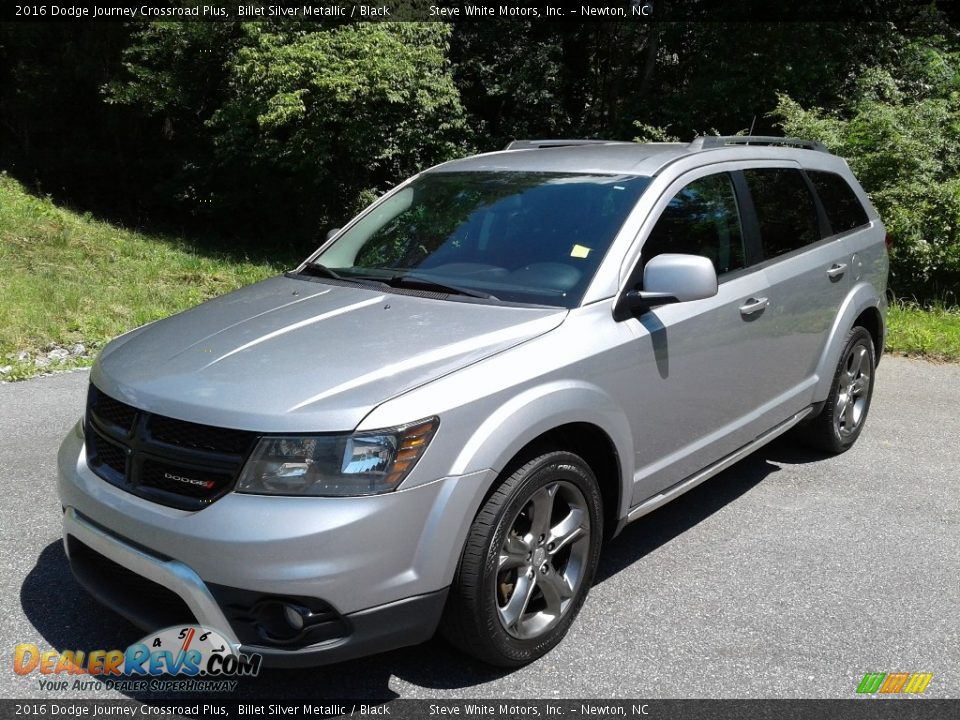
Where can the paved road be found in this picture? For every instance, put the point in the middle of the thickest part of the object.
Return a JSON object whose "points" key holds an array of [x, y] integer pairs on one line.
{"points": [[786, 576]]}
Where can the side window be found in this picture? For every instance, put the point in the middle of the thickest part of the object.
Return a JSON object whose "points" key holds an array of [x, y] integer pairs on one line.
{"points": [[701, 219], [840, 202], [786, 212]]}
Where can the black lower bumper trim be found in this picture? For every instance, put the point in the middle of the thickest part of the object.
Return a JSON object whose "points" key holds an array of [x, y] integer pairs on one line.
{"points": [[398, 624], [141, 601]]}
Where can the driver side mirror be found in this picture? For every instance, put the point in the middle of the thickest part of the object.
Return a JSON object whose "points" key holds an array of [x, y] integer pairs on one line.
{"points": [[331, 232], [669, 278]]}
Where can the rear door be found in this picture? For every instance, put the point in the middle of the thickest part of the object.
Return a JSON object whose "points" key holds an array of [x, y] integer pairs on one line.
{"points": [[808, 272]]}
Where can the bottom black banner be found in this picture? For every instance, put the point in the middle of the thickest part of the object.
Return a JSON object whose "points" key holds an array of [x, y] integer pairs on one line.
{"points": [[403, 709]]}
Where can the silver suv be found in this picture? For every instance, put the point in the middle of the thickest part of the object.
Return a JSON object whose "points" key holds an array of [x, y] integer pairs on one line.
{"points": [[437, 419]]}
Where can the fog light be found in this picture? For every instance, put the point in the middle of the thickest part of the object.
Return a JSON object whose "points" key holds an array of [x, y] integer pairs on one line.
{"points": [[294, 616]]}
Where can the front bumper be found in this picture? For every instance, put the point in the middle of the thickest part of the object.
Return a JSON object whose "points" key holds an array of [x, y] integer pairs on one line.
{"points": [[381, 564]]}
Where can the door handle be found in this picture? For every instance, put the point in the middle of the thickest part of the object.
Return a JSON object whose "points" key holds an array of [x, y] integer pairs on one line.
{"points": [[836, 270], [754, 305]]}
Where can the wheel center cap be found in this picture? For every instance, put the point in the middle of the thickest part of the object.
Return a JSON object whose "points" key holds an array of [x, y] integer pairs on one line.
{"points": [[539, 555]]}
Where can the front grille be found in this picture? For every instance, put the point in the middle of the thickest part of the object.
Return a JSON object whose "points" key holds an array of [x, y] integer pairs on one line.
{"points": [[170, 461], [110, 411], [197, 483], [105, 453], [199, 437]]}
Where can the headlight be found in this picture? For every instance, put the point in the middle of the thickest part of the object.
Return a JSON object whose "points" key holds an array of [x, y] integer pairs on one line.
{"points": [[336, 465]]}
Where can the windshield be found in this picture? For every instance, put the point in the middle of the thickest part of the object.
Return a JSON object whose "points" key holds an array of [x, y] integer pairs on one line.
{"points": [[513, 236]]}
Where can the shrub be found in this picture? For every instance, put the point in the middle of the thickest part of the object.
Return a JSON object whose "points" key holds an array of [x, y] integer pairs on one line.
{"points": [[900, 131]]}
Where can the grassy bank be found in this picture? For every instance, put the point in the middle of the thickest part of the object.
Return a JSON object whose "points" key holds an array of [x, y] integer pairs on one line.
{"points": [[69, 283], [932, 333]]}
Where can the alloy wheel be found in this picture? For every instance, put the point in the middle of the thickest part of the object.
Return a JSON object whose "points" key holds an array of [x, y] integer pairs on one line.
{"points": [[853, 391], [542, 560]]}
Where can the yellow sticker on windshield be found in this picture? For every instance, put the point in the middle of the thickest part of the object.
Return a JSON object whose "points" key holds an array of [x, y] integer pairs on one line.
{"points": [[579, 251]]}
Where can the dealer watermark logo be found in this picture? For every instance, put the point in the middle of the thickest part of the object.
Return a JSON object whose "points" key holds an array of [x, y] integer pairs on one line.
{"points": [[894, 683], [199, 658]]}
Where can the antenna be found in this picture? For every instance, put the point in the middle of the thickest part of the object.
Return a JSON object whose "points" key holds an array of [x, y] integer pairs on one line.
{"points": [[752, 123]]}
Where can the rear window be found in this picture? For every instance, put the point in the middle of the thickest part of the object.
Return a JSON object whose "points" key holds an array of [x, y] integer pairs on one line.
{"points": [[785, 209], [841, 204]]}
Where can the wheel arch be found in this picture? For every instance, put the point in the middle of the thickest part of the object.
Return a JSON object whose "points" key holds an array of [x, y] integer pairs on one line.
{"points": [[871, 319], [580, 419], [861, 307], [594, 446]]}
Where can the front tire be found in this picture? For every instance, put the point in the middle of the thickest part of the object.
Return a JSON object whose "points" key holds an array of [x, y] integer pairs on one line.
{"points": [[838, 425], [528, 562]]}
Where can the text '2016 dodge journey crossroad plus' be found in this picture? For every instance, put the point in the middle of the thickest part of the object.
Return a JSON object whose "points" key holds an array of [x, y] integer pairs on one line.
{"points": [[436, 420]]}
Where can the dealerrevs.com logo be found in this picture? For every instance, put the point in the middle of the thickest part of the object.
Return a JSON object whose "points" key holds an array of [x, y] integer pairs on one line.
{"points": [[200, 658]]}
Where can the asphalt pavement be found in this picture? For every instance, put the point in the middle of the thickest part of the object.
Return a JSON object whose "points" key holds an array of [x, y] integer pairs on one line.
{"points": [[789, 575]]}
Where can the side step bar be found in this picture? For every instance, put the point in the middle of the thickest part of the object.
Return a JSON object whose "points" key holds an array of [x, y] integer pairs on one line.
{"points": [[691, 482]]}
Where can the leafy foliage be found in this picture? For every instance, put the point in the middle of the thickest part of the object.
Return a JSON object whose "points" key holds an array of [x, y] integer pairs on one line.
{"points": [[900, 131], [263, 134], [541, 79], [303, 121]]}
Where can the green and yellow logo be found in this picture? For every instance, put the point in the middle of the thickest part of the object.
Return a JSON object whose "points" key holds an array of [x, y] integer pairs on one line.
{"points": [[893, 683]]}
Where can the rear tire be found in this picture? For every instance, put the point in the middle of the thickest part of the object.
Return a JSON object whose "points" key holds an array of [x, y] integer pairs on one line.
{"points": [[528, 562], [838, 425]]}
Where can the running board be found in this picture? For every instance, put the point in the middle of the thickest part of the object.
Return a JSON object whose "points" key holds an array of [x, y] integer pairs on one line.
{"points": [[718, 467]]}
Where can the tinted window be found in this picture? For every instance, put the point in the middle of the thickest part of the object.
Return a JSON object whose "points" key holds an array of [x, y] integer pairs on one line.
{"points": [[785, 209], [701, 219], [840, 202], [520, 236]]}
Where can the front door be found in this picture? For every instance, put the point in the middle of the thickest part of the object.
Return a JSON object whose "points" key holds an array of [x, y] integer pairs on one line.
{"points": [[709, 378]]}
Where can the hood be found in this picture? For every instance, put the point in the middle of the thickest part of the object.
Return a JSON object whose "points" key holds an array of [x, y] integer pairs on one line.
{"points": [[288, 355]]}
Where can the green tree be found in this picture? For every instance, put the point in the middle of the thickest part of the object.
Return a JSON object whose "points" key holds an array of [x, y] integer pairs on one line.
{"points": [[552, 79], [900, 130], [595, 79], [56, 134], [290, 124]]}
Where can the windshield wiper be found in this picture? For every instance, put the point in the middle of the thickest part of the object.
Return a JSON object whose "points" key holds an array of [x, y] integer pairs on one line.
{"points": [[428, 284], [320, 270]]}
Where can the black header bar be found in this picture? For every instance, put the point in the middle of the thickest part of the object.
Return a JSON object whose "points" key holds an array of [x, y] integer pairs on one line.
{"points": [[898, 11]]}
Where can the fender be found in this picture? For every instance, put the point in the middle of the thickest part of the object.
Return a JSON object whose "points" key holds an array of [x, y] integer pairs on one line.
{"points": [[540, 409], [860, 297]]}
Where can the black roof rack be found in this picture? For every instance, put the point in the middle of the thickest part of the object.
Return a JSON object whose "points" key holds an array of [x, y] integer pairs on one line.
{"points": [[714, 141], [535, 144]]}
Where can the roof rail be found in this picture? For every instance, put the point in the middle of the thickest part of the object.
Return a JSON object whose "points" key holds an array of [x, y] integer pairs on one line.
{"points": [[536, 144], [713, 141]]}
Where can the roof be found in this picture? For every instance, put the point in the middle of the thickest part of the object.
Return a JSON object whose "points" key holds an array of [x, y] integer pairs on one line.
{"points": [[622, 158], [615, 158]]}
